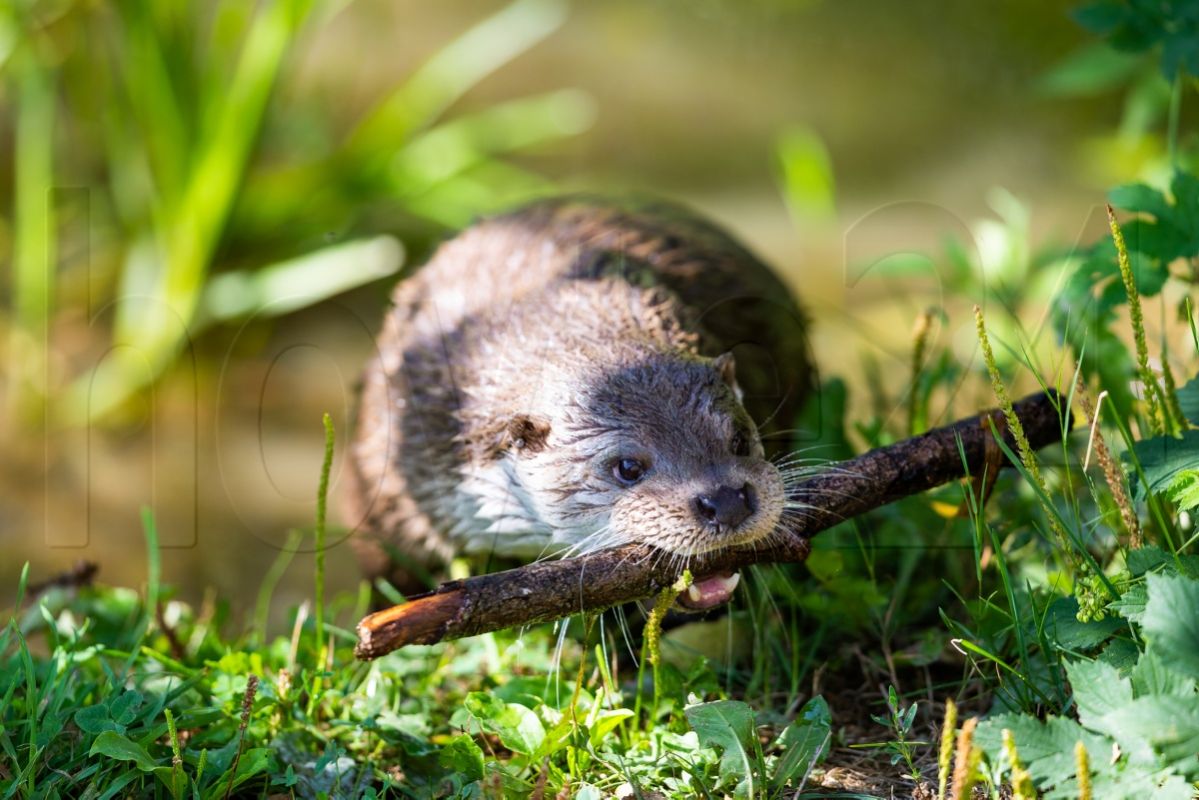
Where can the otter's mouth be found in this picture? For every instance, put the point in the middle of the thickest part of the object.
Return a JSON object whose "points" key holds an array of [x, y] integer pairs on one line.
{"points": [[709, 591]]}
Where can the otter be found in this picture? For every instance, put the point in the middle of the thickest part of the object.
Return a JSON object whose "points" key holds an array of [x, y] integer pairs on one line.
{"points": [[574, 375]]}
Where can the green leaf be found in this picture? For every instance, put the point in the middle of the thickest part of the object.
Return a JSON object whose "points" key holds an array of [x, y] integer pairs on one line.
{"points": [[1063, 627], [1151, 677], [1166, 725], [455, 69], [1152, 246], [606, 722], [1184, 489], [254, 761], [1162, 458], [1131, 604], [125, 706], [517, 726], [287, 286], [1088, 71], [96, 719], [463, 755], [1185, 188], [807, 173], [1127, 781], [1141, 198], [1146, 559], [175, 781], [1121, 654], [1083, 314], [1047, 749], [1180, 54], [1098, 691], [557, 737], [727, 725], [803, 743], [114, 745], [1102, 17], [1171, 622], [1188, 399]]}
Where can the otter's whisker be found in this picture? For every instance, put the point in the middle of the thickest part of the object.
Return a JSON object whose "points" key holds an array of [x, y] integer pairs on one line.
{"points": [[627, 633]]}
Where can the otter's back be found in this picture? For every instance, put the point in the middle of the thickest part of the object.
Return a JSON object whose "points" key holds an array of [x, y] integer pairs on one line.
{"points": [[739, 304]]}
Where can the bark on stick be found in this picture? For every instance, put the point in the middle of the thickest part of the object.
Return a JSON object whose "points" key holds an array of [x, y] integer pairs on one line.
{"points": [[550, 590]]}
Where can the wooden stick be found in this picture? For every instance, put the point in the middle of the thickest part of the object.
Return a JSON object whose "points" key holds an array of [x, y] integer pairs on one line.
{"points": [[550, 590]]}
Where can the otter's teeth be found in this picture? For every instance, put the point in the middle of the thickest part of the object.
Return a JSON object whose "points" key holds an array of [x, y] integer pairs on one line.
{"points": [[713, 591]]}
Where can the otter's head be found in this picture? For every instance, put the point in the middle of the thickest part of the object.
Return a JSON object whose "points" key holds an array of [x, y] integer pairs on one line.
{"points": [[659, 451]]}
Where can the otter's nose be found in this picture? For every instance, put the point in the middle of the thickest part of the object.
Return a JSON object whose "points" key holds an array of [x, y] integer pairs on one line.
{"points": [[726, 506]]}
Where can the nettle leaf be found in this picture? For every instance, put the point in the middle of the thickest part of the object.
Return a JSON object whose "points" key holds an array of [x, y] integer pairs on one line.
{"points": [[1131, 604], [1121, 654], [1167, 726], [728, 725], [1098, 691], [1151, 676], [1162, 458], [804, 743], [1047, 748], [1126, 781], [517, 726], [1183, 491], [1171, 622], [1147, 559]]}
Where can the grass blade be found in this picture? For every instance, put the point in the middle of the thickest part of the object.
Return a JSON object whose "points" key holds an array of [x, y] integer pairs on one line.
{"points": [[454, 70]]}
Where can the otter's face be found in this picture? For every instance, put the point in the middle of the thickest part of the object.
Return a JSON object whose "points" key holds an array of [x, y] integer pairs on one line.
{"points": [[660, 452]]}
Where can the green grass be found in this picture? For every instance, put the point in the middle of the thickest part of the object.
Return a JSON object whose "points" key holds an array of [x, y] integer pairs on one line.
{"points": [[207, 204], [1038, 608], [112, 692]]}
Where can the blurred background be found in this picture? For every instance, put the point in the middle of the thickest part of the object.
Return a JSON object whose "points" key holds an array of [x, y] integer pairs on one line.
{"points": [[203, 207]]}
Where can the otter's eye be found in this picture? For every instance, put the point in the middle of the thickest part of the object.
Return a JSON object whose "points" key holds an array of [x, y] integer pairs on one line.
{"points": [[740, 444], [629, 470]]}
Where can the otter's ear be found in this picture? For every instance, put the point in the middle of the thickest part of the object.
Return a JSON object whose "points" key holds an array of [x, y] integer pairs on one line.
{"points": [[526, 433], [726, 367]]}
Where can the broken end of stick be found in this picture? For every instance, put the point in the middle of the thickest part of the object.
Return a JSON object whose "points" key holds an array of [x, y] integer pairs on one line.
{"points": [[422, 620]]}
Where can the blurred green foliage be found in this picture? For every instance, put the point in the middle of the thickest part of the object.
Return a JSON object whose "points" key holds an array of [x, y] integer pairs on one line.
{"points": [[204, 204], [1137, 26]]}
